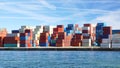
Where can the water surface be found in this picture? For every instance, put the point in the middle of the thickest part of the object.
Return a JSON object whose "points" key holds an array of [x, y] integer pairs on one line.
{"points": [[59, 59]]}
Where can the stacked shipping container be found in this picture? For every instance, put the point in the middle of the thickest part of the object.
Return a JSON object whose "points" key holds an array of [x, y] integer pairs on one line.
{"points": [[77, 40], [63, 40], [44, 39], [26, 38], [60, 37], [88, 35], [107, 36], [11, 40], [116, 41], [99, 33], [3, 33]]}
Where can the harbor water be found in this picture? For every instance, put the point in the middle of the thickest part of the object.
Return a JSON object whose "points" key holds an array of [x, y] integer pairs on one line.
{"points": [[59, 59]]}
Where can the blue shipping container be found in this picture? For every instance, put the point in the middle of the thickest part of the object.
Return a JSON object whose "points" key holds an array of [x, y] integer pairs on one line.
{"points": [[105, 36], [23, 45], [24, 38], [52, 44], [49, 38], [101, 24], [115, 31], [15, 31], [70, 25], [43, 44]]}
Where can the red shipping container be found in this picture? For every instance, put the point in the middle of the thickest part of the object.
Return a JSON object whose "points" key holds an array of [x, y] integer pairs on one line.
{"points": [[1, 42], [76, 44], [24, 41], [23, 34], [61, 35], [78, 36], [43, 37], [43, 41], [60, 30], [87, 25], [59, 44], [53, 38], [46, 34], [75, 40], [11, 38], [60, 26], [86, 31], [86, 37], [59, 41], [11, 42], [55, 29], [100, 40], [107, 30], [29, 45], [28, 31]]}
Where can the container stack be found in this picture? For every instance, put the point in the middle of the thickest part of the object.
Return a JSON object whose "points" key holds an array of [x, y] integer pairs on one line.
{"points": [[99, 33], [77, 29], [12, 40], [63, 40], [1, 42], [105, 43], [3, 33], [23, 39], [30, 37], [44, 39], [69, 29], [116, 41], [88, 35], [26, 38], [86, 42], [48, 29], [23, 28], [36, 35], [107, 34], [77, 40], [60, 42], [54, 36]]}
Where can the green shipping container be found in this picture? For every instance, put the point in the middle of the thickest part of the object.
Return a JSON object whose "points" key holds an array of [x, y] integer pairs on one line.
{"points": [[53, 41], [10, 45]]}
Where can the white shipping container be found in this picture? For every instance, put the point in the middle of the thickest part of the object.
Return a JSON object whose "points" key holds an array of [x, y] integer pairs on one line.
{"points": [[103, 45], [13, 35], [86, 40], [106, 41], [85, 28], [37, 27], [86, 44], [116, 40], [116, 36], [115, 45], [85, 34]]}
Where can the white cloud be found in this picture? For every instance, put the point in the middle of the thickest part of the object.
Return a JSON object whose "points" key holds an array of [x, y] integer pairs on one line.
{"points": [[30, 6], [46, 4], [111, 19], [30, 14]]}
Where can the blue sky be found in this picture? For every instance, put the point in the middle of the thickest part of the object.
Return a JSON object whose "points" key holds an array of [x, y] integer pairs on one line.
{"points": [[15, 13]]}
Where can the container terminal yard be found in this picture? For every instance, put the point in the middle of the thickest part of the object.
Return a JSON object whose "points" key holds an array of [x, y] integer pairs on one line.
{"points": [[72, 37]]}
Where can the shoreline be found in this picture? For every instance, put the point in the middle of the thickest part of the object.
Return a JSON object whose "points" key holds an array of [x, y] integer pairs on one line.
{"points": [[58, 49]]}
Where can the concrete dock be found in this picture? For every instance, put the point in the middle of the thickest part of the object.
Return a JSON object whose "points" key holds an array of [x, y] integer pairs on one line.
{"points": [[58, 49]]}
